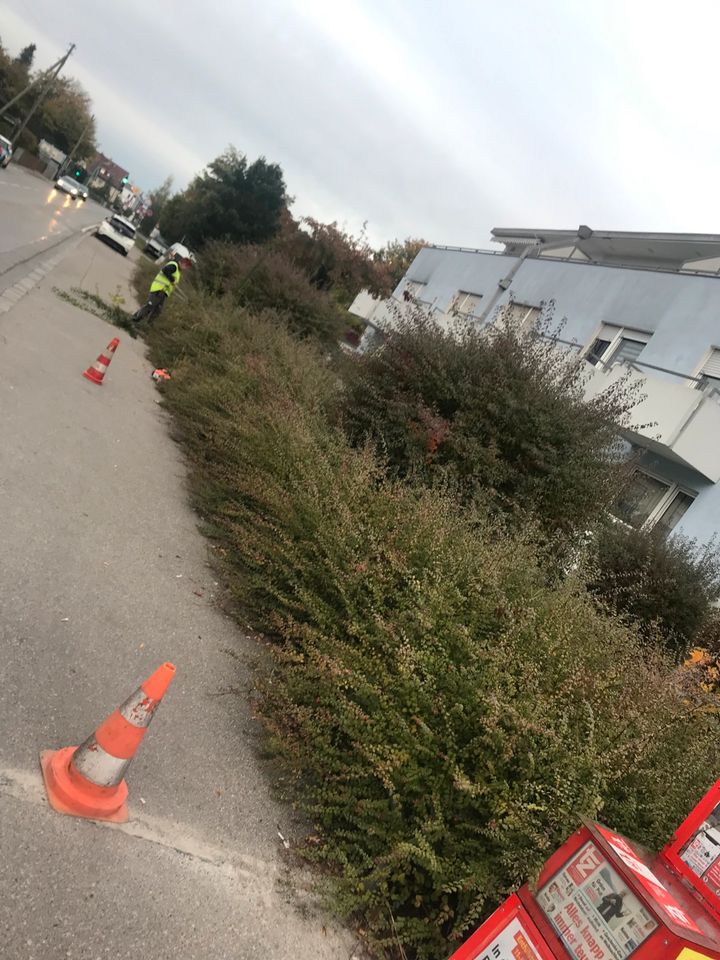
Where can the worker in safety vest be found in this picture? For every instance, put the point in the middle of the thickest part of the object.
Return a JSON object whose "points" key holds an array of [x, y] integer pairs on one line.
{"points": [[166, 279]]}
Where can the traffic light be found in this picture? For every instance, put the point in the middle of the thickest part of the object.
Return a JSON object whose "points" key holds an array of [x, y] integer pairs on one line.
{"points": [[78, 172], [125, 180]]}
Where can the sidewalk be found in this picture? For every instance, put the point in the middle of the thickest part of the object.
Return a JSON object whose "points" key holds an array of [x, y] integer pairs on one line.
{"points": [[104, 576]]}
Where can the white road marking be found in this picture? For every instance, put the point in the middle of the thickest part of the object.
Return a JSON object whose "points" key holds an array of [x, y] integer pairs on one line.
{"points": [[26, 786]]}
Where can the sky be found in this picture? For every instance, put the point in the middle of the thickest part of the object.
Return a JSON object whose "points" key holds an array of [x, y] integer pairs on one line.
{"points": [[428, 119]]}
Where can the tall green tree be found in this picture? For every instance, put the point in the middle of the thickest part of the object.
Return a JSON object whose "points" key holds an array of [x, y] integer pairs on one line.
{"points": [[333, 259], [396, 257], [13, 76], [65, 115], [26, 56], [231, 200]]}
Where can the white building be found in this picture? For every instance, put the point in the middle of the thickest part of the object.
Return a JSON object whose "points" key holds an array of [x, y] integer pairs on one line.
{"points": [[644, 302]]}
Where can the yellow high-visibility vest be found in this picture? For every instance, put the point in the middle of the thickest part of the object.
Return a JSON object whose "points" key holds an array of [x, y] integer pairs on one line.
{"points": [[163, 283]]}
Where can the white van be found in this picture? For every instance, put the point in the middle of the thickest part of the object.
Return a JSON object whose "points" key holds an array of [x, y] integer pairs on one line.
{"points": [[179, 251], [118, 232]]}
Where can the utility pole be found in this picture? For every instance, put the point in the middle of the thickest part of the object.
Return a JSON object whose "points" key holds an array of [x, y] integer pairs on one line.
{"points": [[66, 162], [52, 76], [33, 83]]}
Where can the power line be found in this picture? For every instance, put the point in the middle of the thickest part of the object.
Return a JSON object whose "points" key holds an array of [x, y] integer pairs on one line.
{"points": [[52, 76], [33, 83]]}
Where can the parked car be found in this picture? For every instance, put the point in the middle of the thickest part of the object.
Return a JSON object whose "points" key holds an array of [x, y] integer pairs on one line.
{"points": [[5, 152], [118, 233], [68, 185], [156, 247]]}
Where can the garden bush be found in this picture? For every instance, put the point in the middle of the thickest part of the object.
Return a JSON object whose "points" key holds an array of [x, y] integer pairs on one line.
{"points": [[668, 586], [263, 278], [447, 714], [497, 410]]}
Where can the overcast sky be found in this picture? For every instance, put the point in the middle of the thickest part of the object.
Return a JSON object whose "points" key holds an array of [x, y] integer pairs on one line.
{"points": [[436, 119]]}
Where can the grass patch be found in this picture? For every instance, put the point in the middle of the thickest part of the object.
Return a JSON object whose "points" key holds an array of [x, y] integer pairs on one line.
{"points": [[112, 311]]}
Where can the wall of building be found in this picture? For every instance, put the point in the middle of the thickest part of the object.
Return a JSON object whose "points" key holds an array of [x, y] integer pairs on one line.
{"points": [[702, 521], [681, 311]]}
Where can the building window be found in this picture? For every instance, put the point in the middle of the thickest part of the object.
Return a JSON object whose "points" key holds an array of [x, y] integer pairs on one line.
{"points": [[464, 303], [628, 348], [673, 514], [522, 316], [709, 373], [640, 499], [616, 344], [649, 501], [413, 289], [597, 350]]}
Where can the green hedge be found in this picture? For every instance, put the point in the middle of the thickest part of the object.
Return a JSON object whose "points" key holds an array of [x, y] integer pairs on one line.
{"points": [[668, 586], [263, 278], [446, 715], [497, 411]]}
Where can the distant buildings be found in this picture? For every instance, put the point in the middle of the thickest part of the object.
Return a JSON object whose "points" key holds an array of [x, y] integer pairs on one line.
{"points": [[103, 170]]}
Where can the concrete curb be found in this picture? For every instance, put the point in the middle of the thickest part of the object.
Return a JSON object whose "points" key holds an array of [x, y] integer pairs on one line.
{"points": [[10, 296]]}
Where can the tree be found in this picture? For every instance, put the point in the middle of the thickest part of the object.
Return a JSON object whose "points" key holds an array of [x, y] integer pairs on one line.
{"points": [[26, 56], [231, 200], [13, 77], [496, 412], [64, 115], [333, 259], [158, 201], [396, 258]]}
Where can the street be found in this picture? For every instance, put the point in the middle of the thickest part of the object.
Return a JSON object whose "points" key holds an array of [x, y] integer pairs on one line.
{"points": [[36, 217], [105, 576]]}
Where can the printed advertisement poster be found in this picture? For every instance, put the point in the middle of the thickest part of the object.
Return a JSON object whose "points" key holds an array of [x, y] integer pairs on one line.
{"points": [[702, 852], [593, 912], [660, 895], [512, 943]]}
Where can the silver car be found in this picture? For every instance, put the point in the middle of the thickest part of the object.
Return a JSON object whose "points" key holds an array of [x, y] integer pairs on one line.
{"points": [[69, 185]]}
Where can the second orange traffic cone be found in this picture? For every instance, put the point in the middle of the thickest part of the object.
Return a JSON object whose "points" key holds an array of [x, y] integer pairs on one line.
{"points": [[97, 371], [89, 780]]}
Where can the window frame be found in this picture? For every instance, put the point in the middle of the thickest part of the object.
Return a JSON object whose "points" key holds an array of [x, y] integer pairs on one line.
{"points": [[663, 504], [696, 380], [413, 288], [523, 324], [461, 297], [622, 333]]}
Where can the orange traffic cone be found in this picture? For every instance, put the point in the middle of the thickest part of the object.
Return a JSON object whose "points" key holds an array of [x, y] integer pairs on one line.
{"points": [[97, 371], [88, 781]]}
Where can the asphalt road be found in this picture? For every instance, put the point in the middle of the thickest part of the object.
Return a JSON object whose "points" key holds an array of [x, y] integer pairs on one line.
{"points": [[103, 576], [36, 217]]}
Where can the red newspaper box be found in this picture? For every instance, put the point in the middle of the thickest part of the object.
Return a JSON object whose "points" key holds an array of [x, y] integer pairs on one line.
{"points": [[509, 934], [694, 851], [602, 897]]}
